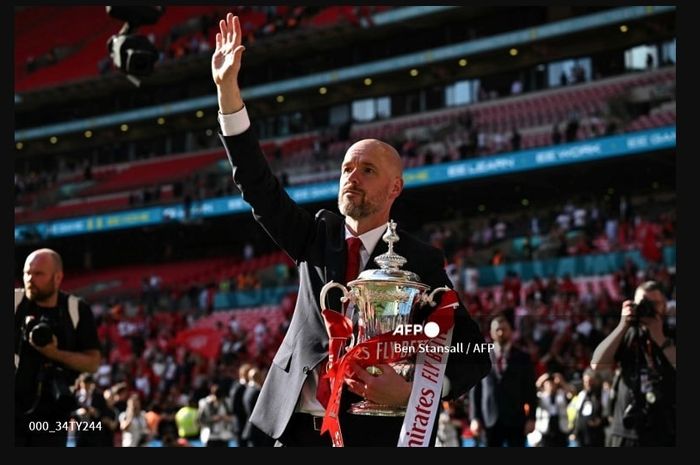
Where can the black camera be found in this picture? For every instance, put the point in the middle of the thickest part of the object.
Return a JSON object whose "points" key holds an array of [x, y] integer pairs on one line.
{"points": [[133, 54], [635, 416], [38, 331], [645, 308]]}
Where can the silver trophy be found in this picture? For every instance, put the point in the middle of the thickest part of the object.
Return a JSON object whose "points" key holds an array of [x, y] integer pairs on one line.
{"points": [[385, 298]]}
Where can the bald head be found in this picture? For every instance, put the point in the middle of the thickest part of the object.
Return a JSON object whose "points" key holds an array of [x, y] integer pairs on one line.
{"points": [[48, 255], [382, 152]]}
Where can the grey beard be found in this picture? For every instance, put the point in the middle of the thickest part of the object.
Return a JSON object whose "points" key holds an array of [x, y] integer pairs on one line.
{"points": [[355, 211], [40, 296]]}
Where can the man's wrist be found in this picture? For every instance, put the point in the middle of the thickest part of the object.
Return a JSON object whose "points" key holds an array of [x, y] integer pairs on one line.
{"points": [[53, 355], [229, 102]]}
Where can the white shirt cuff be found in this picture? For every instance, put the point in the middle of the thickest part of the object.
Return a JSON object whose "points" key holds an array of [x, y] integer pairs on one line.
{"points": [[234, 124]]}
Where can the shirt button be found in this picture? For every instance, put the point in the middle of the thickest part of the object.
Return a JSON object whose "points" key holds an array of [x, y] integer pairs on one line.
{"points": [[305, 370]]}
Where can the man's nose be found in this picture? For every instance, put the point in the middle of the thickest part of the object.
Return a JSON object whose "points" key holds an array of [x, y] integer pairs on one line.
{"points": [[354, 177]]}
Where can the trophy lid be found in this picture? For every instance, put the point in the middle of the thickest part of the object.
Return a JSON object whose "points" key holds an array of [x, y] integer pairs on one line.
{"points": [[390, 264]]}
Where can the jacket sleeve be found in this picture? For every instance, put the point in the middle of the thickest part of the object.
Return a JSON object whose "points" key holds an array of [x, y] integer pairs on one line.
{"points": [[528, 386], [464, 370], [475, 412], [289, 225]]}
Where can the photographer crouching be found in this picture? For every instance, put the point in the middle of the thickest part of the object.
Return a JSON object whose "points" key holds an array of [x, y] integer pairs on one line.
{"points": [[644, 389], [55, 340]]}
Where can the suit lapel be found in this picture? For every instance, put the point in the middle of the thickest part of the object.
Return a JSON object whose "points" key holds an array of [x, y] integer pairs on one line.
{"points": [[336, 256], [379, 249]]}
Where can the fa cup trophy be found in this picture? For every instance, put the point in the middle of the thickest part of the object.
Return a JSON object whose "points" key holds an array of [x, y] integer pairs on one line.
{"points": [[385, 298]]}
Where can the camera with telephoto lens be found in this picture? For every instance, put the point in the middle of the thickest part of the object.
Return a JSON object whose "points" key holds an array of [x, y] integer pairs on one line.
{"points": [[645, 308], [38, 331]]}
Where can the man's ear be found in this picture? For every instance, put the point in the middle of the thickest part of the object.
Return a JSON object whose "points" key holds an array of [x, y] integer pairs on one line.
{"points": [[58, 279], [397, 187]]}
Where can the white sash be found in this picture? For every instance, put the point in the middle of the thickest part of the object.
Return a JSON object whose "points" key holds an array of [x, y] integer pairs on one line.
{"points": [[426, 393]]}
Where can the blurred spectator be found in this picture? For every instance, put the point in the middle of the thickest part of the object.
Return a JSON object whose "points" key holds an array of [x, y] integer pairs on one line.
{"points": [[133, 424], [449, 427], [252, 435], [556, 135], [552, 421], [503, 403], [215, 418], [248, 251], [516, 87], [571, 131], [563, 79], [240, 413], [588, 412], [515, 140], [91, 408]]}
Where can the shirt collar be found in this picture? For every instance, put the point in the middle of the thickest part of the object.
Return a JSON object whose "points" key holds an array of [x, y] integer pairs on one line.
{"points": [[370, 238], [505, 349]]}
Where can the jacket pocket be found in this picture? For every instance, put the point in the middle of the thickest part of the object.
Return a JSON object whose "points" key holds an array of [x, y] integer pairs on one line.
{"points": [[283, 357]]}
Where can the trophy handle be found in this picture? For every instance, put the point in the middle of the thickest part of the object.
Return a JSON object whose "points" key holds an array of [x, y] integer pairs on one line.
{"points": [[330, 285], [428, 299], [346, 297]]}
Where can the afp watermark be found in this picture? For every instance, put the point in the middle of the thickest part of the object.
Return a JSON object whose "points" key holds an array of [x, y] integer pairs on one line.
{"points": [[432, 330]]}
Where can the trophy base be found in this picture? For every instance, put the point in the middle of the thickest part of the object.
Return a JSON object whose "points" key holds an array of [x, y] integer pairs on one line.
{"points": [[376, 410]]}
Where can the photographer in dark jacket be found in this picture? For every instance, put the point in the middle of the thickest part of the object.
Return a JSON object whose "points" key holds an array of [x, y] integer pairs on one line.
{"points": [[55, 340], [644, 409]]}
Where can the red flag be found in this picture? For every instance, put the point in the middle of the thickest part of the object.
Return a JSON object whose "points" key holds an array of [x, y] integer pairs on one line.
{"points": [[204, 341]]}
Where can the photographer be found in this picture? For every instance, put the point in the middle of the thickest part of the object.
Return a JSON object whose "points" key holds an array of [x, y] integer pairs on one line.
{"points": [[55, 340], [644, 401]]}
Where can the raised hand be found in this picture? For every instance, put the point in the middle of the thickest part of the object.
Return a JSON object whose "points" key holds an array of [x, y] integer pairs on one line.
{"points": [[627, 315], [226, 61]]}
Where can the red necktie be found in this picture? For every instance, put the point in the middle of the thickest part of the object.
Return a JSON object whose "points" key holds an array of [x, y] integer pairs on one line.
{"points": [[352, 269]]}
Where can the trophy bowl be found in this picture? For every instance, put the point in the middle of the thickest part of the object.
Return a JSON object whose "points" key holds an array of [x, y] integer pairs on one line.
{"points": [[384, 299]]}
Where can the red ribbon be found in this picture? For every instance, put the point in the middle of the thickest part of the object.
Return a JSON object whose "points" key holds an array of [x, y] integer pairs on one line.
{"points": [[379, 349]]}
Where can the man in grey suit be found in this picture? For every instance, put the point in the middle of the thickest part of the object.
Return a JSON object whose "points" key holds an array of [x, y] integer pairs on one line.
{"points": [[289, 408], [498, 403]]}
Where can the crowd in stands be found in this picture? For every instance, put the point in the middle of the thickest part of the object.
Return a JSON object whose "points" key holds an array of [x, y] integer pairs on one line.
{"points": [[646, 223], [309, 158]]}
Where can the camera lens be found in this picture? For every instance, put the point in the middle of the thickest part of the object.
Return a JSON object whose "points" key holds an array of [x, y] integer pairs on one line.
{"points": [[645, 308], [41, 334]]}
